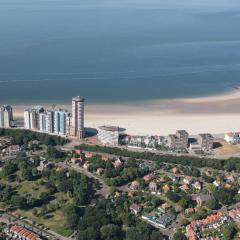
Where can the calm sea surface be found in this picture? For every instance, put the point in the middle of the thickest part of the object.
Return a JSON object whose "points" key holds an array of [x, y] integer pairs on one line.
{"points": [[117, 50]]}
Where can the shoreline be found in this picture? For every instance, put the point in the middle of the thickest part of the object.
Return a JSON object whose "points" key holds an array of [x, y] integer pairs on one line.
{"points": [[215, 114]]}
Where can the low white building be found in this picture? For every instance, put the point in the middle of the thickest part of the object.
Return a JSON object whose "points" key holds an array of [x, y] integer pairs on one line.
{"points": [[232, 137], [109, 134]]}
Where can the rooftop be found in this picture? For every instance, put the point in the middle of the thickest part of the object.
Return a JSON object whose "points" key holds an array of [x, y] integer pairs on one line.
{"points": [[111, 128], [78, 99]]}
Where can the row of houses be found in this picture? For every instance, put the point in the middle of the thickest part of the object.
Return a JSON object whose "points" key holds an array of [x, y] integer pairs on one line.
{"points": [[214, 221], [21, 233], [5, 142], [177, 141], [142, 141]]}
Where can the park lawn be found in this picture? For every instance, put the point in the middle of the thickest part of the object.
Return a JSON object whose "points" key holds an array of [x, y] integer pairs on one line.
{"points": [[31, 187], [54, 221]]}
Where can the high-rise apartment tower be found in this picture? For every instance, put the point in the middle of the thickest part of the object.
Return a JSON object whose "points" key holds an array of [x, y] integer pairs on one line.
{"points": [[78, 117]]}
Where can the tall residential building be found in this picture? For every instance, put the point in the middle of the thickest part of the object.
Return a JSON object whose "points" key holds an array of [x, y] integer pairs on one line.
{"points": [[206, 141], [69, 125], [31, 118], [50, 121], [60, 121], [6, 116], [78, 117], [178, 141], [43, 122], [27, 122], [46, 121]]}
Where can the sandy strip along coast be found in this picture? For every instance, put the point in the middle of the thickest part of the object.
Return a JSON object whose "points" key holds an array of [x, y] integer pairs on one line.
{"points": [[215, 114]]}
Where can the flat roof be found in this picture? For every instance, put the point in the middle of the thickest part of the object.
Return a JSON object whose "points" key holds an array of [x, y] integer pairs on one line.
{"points": [[110, 128], [78, 98]]}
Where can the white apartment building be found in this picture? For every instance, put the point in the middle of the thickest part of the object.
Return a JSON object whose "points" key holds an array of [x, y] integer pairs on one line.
{"points": [[109, 134], [6, 116]]}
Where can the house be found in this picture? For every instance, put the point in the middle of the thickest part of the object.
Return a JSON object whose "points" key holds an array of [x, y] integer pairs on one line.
{"points": [[189, 210], [232, 137], [166, 188], [86, 165], [75, 160], [235, 215], [197, 185], [211, 222], [118, 163], [12, 150], [184, 187], [164, 207], [230, 178], [147, 177], [187, 180], [161, 179], [100, 171], [19, 232], [44, 164], [227, 186], [208, 173], [104, 158], [117, 194], [78, 151], [134, 185], [130, 194], [175, 170], [88, 155], [152, 186], [217, 183], [174, 178], [59, 166], [135, 208]]}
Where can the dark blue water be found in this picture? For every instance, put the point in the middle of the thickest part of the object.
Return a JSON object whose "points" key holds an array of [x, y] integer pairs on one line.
{"points": [[117, 51]]}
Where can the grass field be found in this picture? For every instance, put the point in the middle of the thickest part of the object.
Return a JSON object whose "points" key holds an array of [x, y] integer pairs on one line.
{"points": [[54, 220]]}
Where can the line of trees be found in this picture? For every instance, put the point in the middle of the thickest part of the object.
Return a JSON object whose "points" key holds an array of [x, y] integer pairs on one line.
{"points": [[231, 164], [21, 137]]}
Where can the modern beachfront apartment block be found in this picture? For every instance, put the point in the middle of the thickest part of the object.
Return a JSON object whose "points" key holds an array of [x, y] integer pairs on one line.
{"points": [[178, 141], [206, 141], [31, 118], [77, 128], [48, 121], [6, 116], [60, 121], [57, 121]]}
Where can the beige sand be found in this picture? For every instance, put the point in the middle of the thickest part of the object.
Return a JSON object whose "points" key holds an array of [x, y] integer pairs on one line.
{"points": [[215, 114]]}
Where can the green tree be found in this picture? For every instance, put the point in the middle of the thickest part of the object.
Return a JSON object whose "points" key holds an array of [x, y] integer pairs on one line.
{"points": [[156, 235], [110, 232], [179, 236], [229, 231]]}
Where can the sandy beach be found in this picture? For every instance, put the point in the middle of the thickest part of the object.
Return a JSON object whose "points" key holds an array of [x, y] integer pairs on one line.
{"points": [[214, 114]]}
